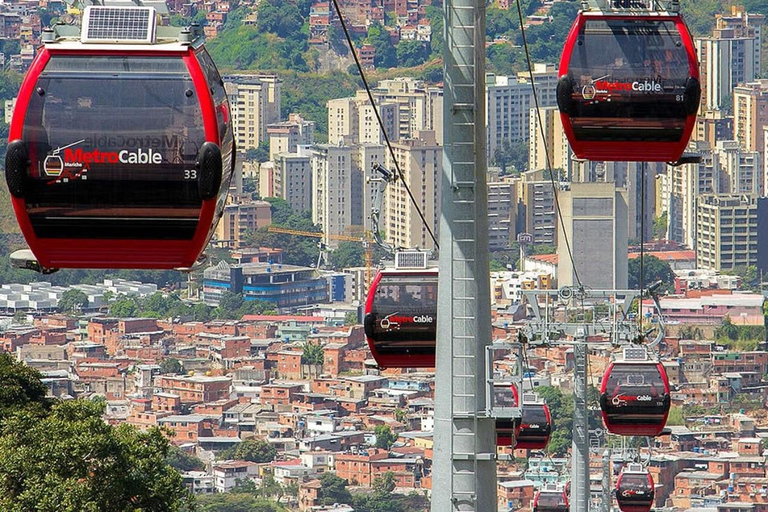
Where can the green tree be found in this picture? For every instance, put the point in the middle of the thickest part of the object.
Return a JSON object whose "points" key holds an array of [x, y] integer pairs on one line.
{"points": [[254, 450], [333, 489], [347, 255], [675, 417], [72, 460], [386, 56], [384, 484], [183, 461], [385, 438], [660, 226], [654, 270], [73, 301], [236, 502], [21, 388], [124, 306], [411, 53], [350, 318], [281, 18], [171, 365], [312, 353]]}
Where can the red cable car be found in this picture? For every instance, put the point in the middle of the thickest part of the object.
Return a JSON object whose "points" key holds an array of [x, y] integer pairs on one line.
{"points": [[552, 498], [629, 86], [535, 425], [634, 394], [635, 489], [121, 144], [506, 428], [400, 319]]}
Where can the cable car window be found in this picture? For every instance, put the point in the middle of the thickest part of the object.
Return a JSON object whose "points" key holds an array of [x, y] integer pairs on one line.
{"points": [[550, 500], [404, 313], [534, 414], [113, 149], [635, 482], [629, 81], [504, 396]]}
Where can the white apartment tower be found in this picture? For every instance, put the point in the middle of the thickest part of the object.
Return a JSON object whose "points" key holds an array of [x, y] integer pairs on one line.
{"points": [[254, 101], [421, 164], [296, 178], [508, 101], [353, 121], [332, 188]]}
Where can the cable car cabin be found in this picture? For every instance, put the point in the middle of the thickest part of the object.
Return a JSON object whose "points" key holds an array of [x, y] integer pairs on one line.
{"points": [[506, 396], [635, 489], [629, 87], [535, 426], [401, 318], [634, 394], [552, 498], [121, 146]]}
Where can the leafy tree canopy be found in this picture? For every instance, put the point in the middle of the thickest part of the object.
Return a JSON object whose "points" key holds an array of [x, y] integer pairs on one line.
{"points": [[20, 388], [183, 461], [333, 490], [654, 270], [312, 354], [347, 254], [385, 438], [171, 365], [72, 460], [254, 450], [73, 301]]}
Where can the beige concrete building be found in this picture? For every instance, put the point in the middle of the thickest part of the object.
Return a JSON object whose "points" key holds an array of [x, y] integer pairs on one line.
{"points": [[406, 106], [726, 231], [595, 221], [730, 56], [507, 103], [750, 116], [240, 218], [421, 165], [536, 210], [286, 136], [255, 102], [554, 142], [502, 213]]}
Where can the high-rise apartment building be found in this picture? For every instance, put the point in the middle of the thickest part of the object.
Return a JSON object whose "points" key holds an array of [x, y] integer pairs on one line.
{"points": [[332, 189], [682, 186], [421, 164], [545, 77], [254, 102], [406, 106], [241, 217], [750, 114], [419, 106], [730, 56], [286, 136], [726, 231], [295, 178], [536, 208], [507, 103], [502, 213], [595, 222], [363, 158], [739, 169], [353, 121], [557, 146]]}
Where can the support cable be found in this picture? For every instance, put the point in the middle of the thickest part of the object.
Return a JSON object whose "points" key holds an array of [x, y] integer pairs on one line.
{"points": [[544, 141], [399, 173]]}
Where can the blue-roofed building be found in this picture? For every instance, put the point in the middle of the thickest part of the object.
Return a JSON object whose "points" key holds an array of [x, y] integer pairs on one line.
{"points": [[283, 285]]}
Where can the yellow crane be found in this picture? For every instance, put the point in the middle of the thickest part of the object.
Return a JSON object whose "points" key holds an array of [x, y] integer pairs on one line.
{"points": [[365, 240]]}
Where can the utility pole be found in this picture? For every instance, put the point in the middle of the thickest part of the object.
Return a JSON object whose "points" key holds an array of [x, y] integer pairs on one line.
{"points": [[464, 471]]}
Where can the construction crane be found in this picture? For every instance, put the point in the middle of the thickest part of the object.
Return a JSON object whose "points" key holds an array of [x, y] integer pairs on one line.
{"points": [[365, 240]]}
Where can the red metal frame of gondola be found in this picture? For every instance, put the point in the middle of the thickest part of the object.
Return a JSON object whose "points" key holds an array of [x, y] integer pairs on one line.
{"points": [[618, 151], [105, 253], [506, 429], [404, 360], [635, 508], [635, 429]]}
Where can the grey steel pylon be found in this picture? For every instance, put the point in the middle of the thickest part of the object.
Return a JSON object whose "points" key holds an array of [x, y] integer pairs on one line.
{"points": [[464, 465]]}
